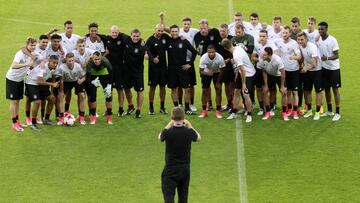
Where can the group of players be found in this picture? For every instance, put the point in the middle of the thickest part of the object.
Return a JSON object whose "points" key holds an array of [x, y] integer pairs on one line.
{"points": [[246, 57]]}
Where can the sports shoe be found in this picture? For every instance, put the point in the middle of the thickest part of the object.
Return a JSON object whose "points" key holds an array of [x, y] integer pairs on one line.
{"points": [[285, 116], [226, 107], [328, 113], [121, 114], [218, 114], [22, 125], [241, 111], [203, 114], [336, 117], [28, 121], [92, 120], [137, 116], [180, 106], [193, 108], [109, 119], [261, 112], [289, 112], [248, 119], [60, 121], [130, 110], [82, 120], [232, 116], [209, 107], [163, 111], [267, 116], [189, 112], [34, 127], [17, 127], [272, 112], [151, 112], [308, 114], [39, 121], [97, 115], [295, 115], [317, 116], [48, 122]]}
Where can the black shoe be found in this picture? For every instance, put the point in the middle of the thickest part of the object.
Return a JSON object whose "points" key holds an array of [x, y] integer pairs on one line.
{"points": [[34, 127], [151, 112], [129, 111], [137, 116], [163, 111], [48, 122], [227, 108], [121, 114]]}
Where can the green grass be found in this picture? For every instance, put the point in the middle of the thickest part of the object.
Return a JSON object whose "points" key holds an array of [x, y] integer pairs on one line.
{"points": [[300, 161]]}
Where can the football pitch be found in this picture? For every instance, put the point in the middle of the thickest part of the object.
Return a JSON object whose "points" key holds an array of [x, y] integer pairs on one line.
{"points": [[264, 161]]}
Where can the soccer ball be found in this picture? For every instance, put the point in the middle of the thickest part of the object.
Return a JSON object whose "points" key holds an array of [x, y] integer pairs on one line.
{"points": [[69, 119]]}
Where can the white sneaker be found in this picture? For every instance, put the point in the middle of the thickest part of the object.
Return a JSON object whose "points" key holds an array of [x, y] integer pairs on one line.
{"points": [[248, 119], [272, 112], [336, 117], [328, 113], [232, 116], [308, 114], [317, 116], [193, 108], [261, 112]]}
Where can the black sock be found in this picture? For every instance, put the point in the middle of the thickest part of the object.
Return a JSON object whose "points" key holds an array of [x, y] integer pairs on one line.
{"points": [[17, 117], [290, 106], [249, 113], [295, 108], [267, 108], [81, 113], [93, 112], [67, 106], [229, 102], [61, 115], [261, 105], [131, 106], [109, 111], [176, 104], [162, 105], [121, 109], [284, 108], [234, 110], [192, 100], [218, 107], [204, 107], [180, 100], [34, 121], [42, 113], [329, 106], [338, 109], [14, 120], [137, 112], [187, 106], [27, 113], [56, 113], [308, 106], [272, 105], [210, 102], [47, 116], [151, 106], [318, 108]]}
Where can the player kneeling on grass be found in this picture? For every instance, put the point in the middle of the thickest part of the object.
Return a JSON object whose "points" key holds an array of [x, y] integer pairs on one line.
{"points": [[73, 77], [37, 88], [273, 73], [99, 72], [211, 69]]}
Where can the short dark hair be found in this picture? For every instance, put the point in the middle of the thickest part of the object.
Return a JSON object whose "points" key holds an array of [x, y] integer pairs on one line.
{"points": [[239, 26], [174, 26], [224, 25], [264, 31], [80, 41], [323, 23], [69, 55], [277, 18], [135, 30], [287, 27], [55, 36], [93, 24], [96, 53], [295, 20], [238, 14], [68, 22], [210, 46], [43, 37], [186, 19], [302, 33], [53, 57], [177, 114], [226, 43], [268, 50], [255, 15]]}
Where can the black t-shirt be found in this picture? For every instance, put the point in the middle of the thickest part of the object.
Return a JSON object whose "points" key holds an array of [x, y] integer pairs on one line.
{"points": [[134, 55], [202, 42], [157, 48], [177, 52], [178, 145], [226, 54], [116, 48]]}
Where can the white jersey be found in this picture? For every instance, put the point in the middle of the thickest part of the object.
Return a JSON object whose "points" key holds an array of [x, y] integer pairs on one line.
{"points": [[96, 46], [72, 75], [40, 54], [69, 44], [312, 36], [190, 37], [286, 50], [274, 66], [44, 73], [84, 57], [232, 27], [18, 75], [259, 50], [241, 58], [60, 54], [213, 65], [253, 30], [272, 34], [326, 48], [309, 52]]}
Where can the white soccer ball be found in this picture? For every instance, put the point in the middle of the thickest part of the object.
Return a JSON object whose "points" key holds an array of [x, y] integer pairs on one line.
{"points": [[69, 120]]}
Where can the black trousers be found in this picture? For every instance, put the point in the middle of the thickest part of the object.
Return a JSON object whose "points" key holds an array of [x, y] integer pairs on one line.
{"points": [[175, 177]]}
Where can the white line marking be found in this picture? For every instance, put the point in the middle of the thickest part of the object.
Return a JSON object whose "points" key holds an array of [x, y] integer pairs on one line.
{"points": [[241, 163]]}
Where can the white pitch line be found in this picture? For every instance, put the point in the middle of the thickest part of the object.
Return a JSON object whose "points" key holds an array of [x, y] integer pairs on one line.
{"points": [[241, 162]]}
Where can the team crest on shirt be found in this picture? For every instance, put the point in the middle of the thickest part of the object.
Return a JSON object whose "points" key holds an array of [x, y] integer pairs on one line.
{"points": [[35, 96], [11, 96], [212, 38], [118, 42], [180, 45], [170, 46], [156, 44], [163, 41], [136, 50]]}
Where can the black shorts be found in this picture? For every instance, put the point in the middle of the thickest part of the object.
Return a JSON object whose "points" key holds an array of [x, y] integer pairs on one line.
{"points": [[292, 80], [68, 86], [331, 78], [192, 74], [273, 81], [258, 78], [229, 74], [178, 78], [14, 90], [36, 92], [54, 91], [249, 83], [313, 78], [157, 76], [91, 90], [175, 178], [118, 77], [136, 81], [206, 80]]}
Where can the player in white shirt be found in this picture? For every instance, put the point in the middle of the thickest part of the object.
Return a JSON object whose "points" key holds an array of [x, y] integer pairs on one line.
{"points": [[93, 42], [245, 72], [329, 51], [82, 54], [37, 87], [312, 33], [212, 66], [238, 19], [275, 31], [20, 66], [73, 77], [257, 56], [68, 38], [290, 54], [312, 70], [273, 72], [54, 48], [253, 27]]}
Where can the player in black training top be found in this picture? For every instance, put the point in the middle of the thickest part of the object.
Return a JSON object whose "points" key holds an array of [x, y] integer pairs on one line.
{"points": [[157, 67], [178, 66], [178, 135]]}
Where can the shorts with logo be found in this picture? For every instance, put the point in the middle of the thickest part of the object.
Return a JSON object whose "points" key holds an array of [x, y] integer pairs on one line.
{"points": [[292, 80], [313, 78], [331, 78], [14, 90]]}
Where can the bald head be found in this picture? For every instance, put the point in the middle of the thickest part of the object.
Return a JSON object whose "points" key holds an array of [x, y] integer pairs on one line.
{"points": [[159, 30], [114, 30]]}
